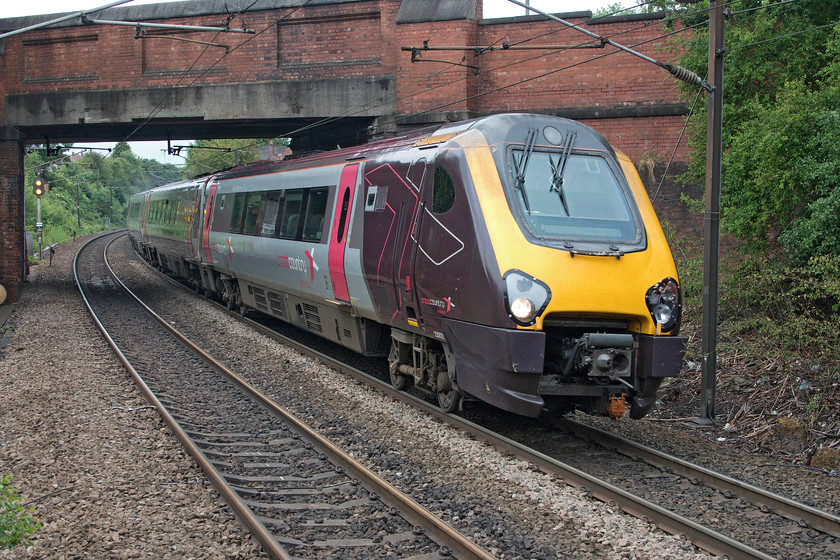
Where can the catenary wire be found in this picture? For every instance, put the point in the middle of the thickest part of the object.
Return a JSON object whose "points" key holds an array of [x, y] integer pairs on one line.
{"points": [[666, 35], [676, 146], [373, 103]]}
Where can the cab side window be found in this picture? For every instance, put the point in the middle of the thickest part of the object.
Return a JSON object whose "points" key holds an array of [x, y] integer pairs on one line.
{"points": [[443, 197]]}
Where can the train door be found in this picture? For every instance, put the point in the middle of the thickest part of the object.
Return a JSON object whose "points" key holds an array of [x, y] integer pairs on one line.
{"points": [[207, 218], [405, 262], [196, 221], [341, 223], [391, 202], [441, 265]]}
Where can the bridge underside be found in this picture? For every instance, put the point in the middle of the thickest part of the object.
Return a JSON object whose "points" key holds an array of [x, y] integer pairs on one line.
{"points": [[317, 114]]}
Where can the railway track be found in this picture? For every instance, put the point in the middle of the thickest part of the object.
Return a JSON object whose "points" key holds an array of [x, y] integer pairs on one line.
{"points": [[758, 523], [765, 535], [767, 502], [297, 493]]}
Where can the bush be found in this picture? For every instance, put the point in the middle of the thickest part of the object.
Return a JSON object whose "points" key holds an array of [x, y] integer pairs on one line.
{"points": [[791, 308], [16, 521]]}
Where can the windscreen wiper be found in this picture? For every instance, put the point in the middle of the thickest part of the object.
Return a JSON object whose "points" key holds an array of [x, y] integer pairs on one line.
{"points": [[559, 168], [522, 164]]}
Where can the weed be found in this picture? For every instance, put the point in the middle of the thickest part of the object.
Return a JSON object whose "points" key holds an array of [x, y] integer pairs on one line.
{"points": [[17, 522]]}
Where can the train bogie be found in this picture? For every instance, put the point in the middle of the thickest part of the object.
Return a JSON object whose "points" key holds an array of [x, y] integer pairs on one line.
{"points": [[513, 259]]}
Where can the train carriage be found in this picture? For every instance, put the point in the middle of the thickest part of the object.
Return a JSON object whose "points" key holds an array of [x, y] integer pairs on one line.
{"points": [[514, 259]]}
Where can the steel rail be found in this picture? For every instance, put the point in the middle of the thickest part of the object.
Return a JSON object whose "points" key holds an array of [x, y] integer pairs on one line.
{"points": [[820, 520], [670, 522], [243, 512], [438, 530]]}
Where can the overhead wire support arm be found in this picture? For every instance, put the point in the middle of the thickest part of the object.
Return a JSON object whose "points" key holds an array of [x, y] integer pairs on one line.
{"points": [[505, 46], [138, 24], [682, 74], [415, 57], [140, 33], [61, 19]]}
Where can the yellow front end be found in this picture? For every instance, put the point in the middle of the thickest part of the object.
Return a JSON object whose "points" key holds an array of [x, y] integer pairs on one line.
{"points": [[581, 285]]}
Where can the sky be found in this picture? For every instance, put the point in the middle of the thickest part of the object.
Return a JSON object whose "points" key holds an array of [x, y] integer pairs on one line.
{"points": [[157, 150]]}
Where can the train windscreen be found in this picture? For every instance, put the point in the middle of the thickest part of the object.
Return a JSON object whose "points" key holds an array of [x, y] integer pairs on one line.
{"points": [[572, 196]]}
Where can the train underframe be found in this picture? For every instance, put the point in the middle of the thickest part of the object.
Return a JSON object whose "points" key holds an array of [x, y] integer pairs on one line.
{"points": [[597, 366]]}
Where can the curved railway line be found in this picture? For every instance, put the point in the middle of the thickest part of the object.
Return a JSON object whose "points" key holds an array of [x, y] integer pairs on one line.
{"points": [[298, 494], [592, 459]]}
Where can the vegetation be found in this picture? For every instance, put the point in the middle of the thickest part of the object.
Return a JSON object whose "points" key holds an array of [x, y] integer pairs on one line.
{"points": [[641, 7], [16, 521], [781, 134], [209, 156], [89, 194], [779, 326]]}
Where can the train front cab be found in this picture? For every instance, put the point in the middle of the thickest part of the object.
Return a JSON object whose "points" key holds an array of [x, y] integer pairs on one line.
{"points": [[596, 315]]}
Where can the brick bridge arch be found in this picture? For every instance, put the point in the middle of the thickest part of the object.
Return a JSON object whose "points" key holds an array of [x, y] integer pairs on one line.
{"points": [[306, 64]]}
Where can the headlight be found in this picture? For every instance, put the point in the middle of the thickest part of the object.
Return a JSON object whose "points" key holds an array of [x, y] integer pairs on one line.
{"points": [[665, 305], [525, 297]]}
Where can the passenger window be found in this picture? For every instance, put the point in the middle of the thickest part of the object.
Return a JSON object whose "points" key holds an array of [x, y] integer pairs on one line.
{"points": [[253, 208], [291, 214], [273, 200], [316, 209], [443, 197], [238, 210]]}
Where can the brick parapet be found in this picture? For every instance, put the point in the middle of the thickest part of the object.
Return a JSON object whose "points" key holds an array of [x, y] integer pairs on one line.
{"points": [[334, 40]]}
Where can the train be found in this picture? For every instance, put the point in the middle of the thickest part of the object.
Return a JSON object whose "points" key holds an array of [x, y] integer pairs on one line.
{"points": [[514, 259]]}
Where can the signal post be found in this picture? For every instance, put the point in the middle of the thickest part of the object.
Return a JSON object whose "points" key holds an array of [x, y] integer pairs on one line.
{"points": [[38, 189]]}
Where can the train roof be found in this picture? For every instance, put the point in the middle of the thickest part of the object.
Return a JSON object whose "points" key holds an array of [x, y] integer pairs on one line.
{"points": [[512, 128], [498, 129]]}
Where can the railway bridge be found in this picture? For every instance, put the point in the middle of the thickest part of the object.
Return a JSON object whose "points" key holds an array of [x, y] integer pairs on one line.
{"points": [[323, 72]]}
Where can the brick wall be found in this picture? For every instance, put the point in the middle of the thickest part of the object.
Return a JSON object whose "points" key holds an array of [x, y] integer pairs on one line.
{"points": [[616, 93], [12, 263]]}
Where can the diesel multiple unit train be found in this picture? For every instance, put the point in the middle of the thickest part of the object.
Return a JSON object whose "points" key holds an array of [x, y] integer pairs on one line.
{"points": [[514, 259]]}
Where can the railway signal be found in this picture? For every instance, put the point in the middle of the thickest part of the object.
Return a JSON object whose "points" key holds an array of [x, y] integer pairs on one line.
{"points": [[38, 187]]}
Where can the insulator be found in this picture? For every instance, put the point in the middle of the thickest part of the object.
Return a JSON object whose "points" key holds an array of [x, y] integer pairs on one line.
{"points": [[686, 75]]}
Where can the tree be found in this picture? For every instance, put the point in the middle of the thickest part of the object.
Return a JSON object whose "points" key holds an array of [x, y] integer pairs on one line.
{"points": [[649, 7], [780, 139], [209, 156], [87, 193]]}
